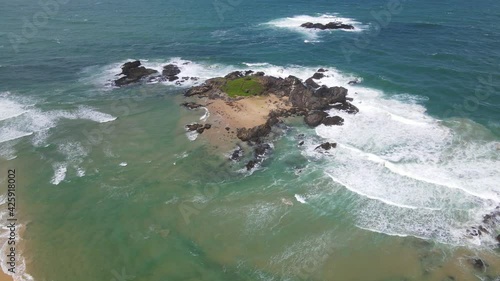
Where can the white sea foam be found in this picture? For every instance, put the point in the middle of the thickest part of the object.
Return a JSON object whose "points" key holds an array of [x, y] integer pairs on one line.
{"points": [[60, 170], [123, 164], [417, 174], [24, 119], [206, 115], [300, 198], [294, 24]]}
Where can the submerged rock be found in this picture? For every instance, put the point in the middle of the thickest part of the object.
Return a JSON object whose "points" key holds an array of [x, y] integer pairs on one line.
{"points": [[478, 264], [326, 146], [191, 105]]}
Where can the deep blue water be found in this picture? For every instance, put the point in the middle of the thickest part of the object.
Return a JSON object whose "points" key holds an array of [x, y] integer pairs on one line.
{"points": [[434, 49]]}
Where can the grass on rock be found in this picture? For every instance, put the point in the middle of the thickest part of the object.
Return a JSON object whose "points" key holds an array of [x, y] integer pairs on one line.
{"points": [[243, 87]]}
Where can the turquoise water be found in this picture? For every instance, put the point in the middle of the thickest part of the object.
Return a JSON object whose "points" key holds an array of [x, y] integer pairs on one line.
{"points": [[110, 182]]}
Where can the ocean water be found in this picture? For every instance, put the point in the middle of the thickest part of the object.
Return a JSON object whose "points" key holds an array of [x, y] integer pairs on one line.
{"points": [[110, 187]]}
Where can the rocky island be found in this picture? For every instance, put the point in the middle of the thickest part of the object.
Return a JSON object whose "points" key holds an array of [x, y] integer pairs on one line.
{"points": [[245, 106]]}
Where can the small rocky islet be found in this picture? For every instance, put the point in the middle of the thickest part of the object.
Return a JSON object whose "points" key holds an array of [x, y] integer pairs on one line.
{"points": [[306, 99], [330, 25]]}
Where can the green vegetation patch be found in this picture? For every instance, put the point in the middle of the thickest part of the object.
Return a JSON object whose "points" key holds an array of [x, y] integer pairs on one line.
{"points": [[243, 87]]}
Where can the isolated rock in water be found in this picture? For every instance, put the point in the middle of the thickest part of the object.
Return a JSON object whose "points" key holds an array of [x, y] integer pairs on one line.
{"points": [[199, 128], [314, 118], [331, 121], [129, 65], [353, 82], [322, 70], [327, 146], [170, 70], [318, 75], [330, 25], [133, 72]]}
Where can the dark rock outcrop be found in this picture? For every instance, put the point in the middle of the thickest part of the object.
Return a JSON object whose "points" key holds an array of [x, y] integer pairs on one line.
{"points": [[234, 75], [126, 67], [255, 133], [199, 128], [315, 118], [318, 75], [333, 121], [251, 164], [237, 154], [347, 107], [133, 72], [353, 82], [170, 70], [261, 149], [330, 25], [326, 146], [310, 82]]}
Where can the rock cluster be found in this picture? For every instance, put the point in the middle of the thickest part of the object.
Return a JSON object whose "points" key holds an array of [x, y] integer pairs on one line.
{"points": [[330, 25], [133, 72], [199, 128]]}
